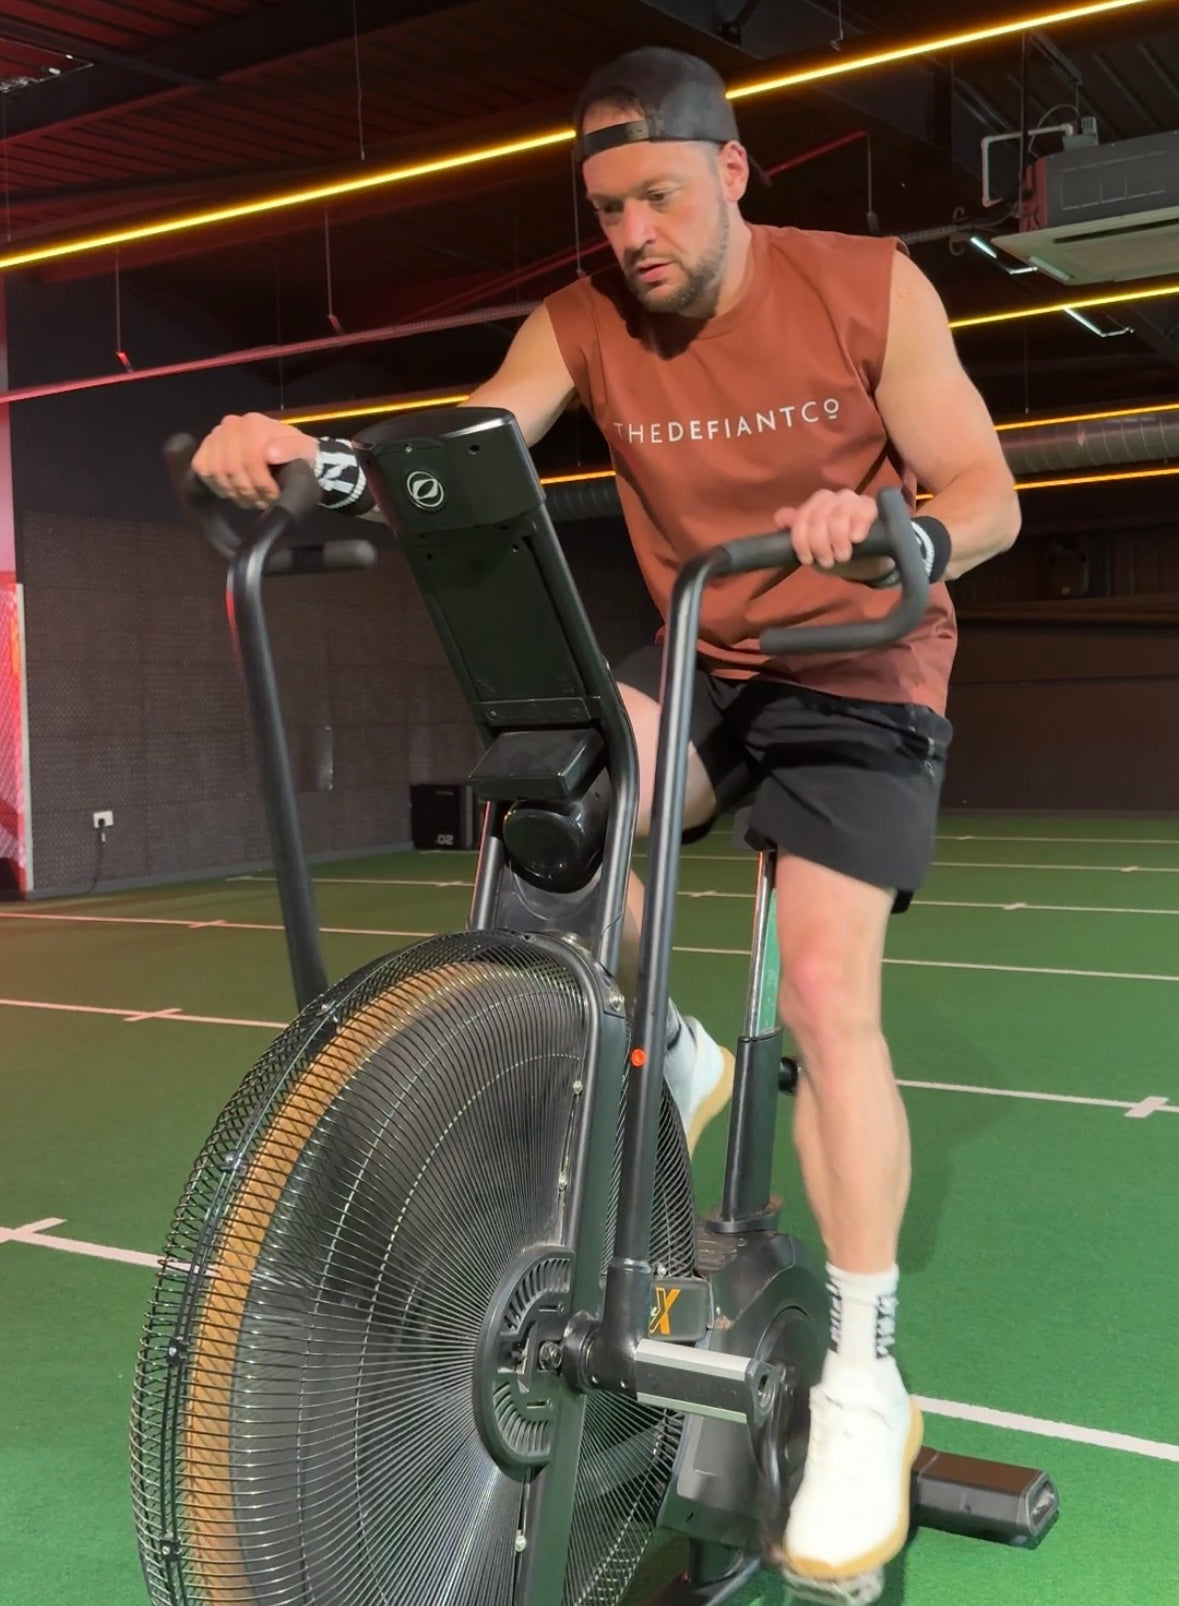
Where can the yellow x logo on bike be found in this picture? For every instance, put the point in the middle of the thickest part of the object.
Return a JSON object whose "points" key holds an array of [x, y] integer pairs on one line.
{"points": [[665, 1298]]}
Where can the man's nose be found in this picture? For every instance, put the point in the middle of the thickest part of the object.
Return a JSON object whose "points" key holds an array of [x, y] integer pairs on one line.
{"points": [[636, 228]]}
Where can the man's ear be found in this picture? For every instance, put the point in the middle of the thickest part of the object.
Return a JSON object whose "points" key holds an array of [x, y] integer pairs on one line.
{"points": [[734, 170]]}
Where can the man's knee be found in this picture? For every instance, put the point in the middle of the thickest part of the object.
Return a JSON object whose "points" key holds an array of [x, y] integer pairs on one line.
{"points": [[831, 939], [827, 1002]]}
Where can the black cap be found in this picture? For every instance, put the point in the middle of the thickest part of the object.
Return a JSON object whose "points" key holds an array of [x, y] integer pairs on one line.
{"points": [[680, 96]]}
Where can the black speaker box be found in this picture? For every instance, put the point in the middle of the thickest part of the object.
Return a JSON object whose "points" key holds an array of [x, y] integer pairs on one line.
{"points": [[442, 815]]}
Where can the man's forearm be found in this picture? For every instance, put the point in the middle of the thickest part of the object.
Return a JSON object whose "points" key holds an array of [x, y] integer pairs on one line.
{"points": [[981, 511]]}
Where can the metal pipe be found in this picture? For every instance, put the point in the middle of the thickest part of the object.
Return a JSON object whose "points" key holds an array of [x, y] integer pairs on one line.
{"points": [[297, 348], [1145, 438], [446, 314]]}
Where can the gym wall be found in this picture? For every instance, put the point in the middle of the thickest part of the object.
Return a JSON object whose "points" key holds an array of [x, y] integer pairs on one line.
{"points": [[135, 702], [134, 698], [1068, 665]]}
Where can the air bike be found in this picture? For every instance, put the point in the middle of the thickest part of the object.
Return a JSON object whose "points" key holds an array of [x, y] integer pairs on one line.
{"points": [[437, 1323]]}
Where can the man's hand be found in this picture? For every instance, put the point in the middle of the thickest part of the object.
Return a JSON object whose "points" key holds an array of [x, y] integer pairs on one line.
{"points": [[826, 530], [235, 460]]}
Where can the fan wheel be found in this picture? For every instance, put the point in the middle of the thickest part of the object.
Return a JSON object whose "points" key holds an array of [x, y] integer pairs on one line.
{"points": [[376, 1231]]}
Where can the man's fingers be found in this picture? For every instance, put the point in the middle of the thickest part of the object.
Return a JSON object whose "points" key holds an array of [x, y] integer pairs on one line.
{"points": [[827, 527], [234, 461], [809, 536], [261, 481]]}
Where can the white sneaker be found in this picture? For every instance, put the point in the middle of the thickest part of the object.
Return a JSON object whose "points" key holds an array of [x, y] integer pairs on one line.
{"points": [[700, 1075], [851, 1513]]}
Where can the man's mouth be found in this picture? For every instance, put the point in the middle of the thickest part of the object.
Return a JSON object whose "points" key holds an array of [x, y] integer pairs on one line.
{"points": [[649, 272]]}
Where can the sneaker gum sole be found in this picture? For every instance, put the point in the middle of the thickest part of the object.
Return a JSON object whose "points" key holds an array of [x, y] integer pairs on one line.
{"points": [[823, 1571], [714, 1101]]}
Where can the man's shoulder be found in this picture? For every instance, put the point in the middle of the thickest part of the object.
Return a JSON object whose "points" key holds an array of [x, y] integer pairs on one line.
{"points": [[825, 247], [602, 285]]}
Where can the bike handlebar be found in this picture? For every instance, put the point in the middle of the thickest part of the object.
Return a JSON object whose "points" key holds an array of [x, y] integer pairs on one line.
{"points": [[297, 499], [892, 536]]}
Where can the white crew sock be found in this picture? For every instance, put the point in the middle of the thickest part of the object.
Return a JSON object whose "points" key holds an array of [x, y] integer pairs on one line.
{"points": [[863, 1318], [680, 1059]]}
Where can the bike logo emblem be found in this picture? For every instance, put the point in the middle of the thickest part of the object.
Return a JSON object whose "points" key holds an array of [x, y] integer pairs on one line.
{"points": [[425, 491]]}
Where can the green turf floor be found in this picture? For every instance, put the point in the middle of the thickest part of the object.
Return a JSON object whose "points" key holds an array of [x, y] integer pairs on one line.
{"points": [[1039, 1249]]}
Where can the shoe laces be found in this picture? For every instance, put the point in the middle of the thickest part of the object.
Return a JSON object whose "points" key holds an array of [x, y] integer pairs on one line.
{"points": [[848, 1434]]}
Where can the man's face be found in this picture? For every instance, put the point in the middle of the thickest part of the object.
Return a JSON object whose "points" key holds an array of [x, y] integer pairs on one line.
{"points": [[664, 209]]}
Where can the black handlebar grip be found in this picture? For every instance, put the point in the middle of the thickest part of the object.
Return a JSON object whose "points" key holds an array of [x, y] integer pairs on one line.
{"points": [[589, 499], [298, 496], [750, 552], [195, 497], [329, 558], [892, 536], [298, 489]]}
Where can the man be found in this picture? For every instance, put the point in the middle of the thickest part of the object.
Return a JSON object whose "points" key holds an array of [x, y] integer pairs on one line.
{"points": [[740, 373]]}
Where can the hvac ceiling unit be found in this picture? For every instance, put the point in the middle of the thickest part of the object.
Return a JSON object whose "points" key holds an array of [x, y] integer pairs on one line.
{"points": [[1099, 213]]}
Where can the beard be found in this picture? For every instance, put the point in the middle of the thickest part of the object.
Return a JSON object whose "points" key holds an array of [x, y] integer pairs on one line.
{"points": [[699, 287]]}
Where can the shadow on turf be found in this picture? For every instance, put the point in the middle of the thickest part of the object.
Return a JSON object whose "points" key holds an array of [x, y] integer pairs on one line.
{"points": [[937, 1052]]}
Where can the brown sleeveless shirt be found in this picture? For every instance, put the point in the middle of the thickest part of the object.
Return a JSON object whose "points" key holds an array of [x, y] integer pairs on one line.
{"points": [[712, 426]]}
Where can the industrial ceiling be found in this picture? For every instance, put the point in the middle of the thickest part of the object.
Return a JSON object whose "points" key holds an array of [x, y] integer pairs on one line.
{"points": [[130, 121]]}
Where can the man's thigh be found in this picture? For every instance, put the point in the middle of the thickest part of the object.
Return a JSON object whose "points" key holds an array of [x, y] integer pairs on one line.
{"points": [[717, 771], [852, 786]]}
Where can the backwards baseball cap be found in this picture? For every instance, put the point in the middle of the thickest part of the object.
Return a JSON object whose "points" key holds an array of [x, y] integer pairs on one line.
{"points": [[675, 96]]}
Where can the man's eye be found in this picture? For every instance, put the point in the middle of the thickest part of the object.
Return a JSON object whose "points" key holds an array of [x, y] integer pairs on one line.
{"points": [[659, 197]]}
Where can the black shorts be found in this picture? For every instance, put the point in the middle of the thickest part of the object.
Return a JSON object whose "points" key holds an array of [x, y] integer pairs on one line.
{"points": [[851, 785]]}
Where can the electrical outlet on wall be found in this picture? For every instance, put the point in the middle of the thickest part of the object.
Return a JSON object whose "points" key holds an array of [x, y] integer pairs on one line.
{"points": [[104, 819]]}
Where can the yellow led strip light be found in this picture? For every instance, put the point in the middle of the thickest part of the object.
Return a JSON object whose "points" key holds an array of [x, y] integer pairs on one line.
{"points": [[494, 153]]}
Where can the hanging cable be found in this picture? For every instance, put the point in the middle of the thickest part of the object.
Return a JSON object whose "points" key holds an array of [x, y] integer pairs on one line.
{"points": [[327, 254], [359, 81], [122, 356]]}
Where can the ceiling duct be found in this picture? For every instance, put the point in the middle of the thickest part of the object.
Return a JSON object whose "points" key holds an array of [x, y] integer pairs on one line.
{"points": [[1102, 213], [1093, 443], [1083, 443]]}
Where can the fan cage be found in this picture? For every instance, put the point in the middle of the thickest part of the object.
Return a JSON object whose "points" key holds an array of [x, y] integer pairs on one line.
{"points": [[289, 1354]]}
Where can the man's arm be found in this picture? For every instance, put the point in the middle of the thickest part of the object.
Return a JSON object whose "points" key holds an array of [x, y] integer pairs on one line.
{"points": [[532, 382], [238, 459], [940, 425]]}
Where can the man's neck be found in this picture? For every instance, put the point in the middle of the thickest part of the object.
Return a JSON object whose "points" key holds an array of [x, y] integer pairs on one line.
{"points": [[738, 268], [734, 282]]}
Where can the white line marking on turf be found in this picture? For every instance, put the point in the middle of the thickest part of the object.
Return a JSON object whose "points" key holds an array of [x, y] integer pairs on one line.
{"points": [[1140, 1111], [132, 1015], [1003, 864], [1144, 1107], [1141, 1107], [365, 881], [1039, 908], [1046, 1429], [680, 948], [35, 1234], [747, 858], [1033, 970], [361, 931], [1088, 841], [217, 925], [966, 964], [357, 930]]}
